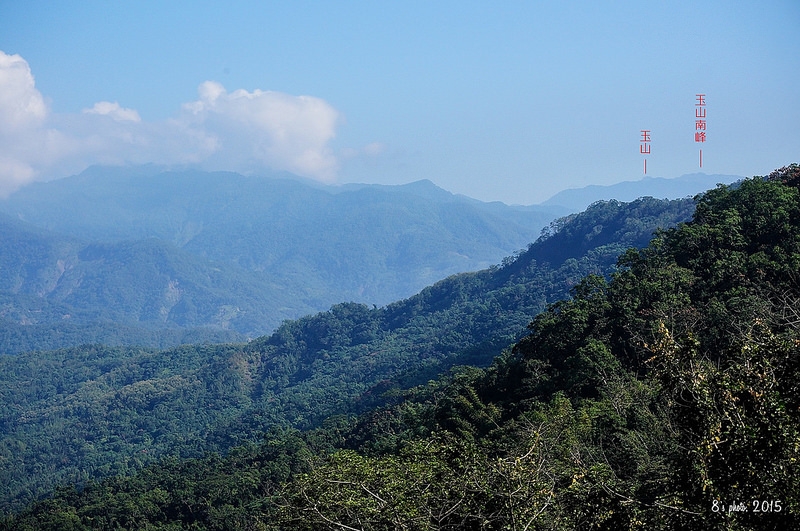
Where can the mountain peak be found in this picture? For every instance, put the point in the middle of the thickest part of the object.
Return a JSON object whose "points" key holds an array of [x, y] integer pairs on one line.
{"points": [[577, 199]]}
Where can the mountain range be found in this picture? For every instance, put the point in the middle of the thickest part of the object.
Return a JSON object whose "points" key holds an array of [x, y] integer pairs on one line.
{"points": [[92, 411], [143, 256], [657, 381], [577, 199]]}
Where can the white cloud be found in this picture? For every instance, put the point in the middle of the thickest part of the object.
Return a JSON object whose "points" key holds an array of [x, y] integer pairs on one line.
{"points": [[114, 111], [267, 128], [21, 105], [238, 131], [13, 174], [22, 112]]}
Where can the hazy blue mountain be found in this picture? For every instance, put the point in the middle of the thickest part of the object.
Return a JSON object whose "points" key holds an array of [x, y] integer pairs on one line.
{"points": [[142, 247], [418, 232], [577, 199], [57, 290], [90, 411]]}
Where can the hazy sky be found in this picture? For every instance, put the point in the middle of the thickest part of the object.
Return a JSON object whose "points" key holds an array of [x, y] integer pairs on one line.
{"points": [[508, 101]]}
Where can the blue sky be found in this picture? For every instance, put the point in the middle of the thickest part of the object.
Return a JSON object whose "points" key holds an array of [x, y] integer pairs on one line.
{"points": [[509, 101]]}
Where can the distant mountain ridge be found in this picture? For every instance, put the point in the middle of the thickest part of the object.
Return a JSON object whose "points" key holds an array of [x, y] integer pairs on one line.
{"points": [[229, 252], [54, 286], [637, 375], [140, 255], [113, 410], [577, 199]]}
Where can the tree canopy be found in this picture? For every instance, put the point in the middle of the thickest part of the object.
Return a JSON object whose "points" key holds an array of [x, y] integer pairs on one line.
{"points": [[664, 396]]}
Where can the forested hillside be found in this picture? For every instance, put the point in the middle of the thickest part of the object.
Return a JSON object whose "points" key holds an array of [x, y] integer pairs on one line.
{"points": [[664, 397], [57, 290], [225, 251], [87, 412]]}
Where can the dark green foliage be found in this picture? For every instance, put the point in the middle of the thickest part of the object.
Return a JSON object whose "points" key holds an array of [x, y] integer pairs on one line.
{"points": [[606, 227], [97, 411], [102, 411], [25, 338], [654, 401], [653, 398]]}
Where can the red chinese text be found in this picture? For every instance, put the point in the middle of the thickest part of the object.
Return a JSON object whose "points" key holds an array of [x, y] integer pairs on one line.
{"points": [[644, 146], [700, 122]]}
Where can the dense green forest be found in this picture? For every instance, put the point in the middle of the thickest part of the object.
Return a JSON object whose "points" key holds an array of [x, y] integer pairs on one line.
{"points": [[664, 395], [116, 251], [90, 412]]}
